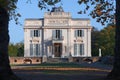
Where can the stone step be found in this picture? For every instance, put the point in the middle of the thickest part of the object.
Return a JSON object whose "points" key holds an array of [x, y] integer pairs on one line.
{"points": [[57, 60]]}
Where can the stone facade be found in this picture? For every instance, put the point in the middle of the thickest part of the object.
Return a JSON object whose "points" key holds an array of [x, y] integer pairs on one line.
{"points": [[57, 35]]}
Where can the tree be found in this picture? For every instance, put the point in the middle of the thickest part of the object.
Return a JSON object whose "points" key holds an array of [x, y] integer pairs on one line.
{"points": [[20, 49], [12, 50], [104, 12], [114, 75], [16, 50], [104, 39], [8, 12], [95, 41], [7, 8], [107, 40]]}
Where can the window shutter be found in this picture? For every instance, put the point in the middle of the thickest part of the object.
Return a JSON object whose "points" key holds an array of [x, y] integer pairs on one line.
{"points": [[38, 49], [75, 33], [34, 49], [31, 49], [81, 49], [38, 33], [53, 34], [82, 33], [60, 33], [75, 49], [31, 33]]}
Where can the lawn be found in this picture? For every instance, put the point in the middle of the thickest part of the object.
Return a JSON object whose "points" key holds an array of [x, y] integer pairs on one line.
{"points": [[50, 65], [60, 65]]}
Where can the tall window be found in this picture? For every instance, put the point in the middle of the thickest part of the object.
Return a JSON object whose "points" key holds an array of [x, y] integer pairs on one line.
{"points": [[57, 34], [79, 33], [35, 50], [78, 49], [35, 33]]}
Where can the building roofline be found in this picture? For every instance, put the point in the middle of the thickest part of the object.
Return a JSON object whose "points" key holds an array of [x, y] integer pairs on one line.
{"points": [[34, 19], [43, 19], [80, 19]]}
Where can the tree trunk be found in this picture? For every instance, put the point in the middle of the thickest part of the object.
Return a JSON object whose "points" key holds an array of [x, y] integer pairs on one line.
{"points": [[5, 69], [115, 73]]}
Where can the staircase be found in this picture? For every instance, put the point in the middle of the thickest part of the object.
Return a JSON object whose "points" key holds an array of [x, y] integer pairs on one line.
{"points": [[57, 60]]}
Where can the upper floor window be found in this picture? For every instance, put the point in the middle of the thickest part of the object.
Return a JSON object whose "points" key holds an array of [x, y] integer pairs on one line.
{"points": [[79, 33], [57, 34], [35, 33]]}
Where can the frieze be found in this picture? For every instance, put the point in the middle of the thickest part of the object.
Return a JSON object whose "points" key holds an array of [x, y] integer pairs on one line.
{"points": [[58, 21]]}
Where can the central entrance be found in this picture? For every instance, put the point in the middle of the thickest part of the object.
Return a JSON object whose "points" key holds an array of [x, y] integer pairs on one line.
{"points": [[57, 49]]}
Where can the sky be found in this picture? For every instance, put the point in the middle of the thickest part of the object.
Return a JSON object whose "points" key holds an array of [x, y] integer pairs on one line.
{"points": [[31, 10]]}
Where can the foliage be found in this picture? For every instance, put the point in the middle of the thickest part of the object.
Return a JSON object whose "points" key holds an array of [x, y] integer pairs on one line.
{"points": [[104, 39], [95, 41], [103, 10], [43, 4], [107, 40], [12, 50], [16, 50], [20, 49], [11, 6]]}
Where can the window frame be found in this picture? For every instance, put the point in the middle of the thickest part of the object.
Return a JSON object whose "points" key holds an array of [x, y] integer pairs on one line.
{"points": [[79, 33], [35, 33], [79, 49]]}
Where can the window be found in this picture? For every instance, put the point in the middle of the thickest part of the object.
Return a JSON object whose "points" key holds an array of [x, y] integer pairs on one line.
{"points": [[79, 33], [34, 49], [57, 34], [35, 33], [81, 46], [78, 49]]}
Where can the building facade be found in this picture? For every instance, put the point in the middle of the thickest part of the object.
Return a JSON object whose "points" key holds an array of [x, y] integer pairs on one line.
{"points": [[57, 35]]}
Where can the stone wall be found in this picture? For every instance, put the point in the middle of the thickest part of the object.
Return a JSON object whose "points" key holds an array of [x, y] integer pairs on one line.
{"points": [[25, 60], [39, 60], [85, 59]]}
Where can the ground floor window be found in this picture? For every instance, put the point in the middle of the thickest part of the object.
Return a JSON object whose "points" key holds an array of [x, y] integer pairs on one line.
{"points": [[78, 49], [35, 50]]}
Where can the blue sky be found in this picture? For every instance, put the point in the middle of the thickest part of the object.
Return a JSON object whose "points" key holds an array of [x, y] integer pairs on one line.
{"points": [[31, 10]]}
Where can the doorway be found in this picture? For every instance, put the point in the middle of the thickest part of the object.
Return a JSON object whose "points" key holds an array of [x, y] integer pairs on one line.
{"points": [[57, 49]]}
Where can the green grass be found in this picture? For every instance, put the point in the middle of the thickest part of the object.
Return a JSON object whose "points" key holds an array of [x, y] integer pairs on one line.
{"points": [[69, 65], [51, 65]]}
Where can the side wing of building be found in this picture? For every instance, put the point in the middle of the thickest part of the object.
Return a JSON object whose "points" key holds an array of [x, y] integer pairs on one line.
{"points": [[33, 37]]}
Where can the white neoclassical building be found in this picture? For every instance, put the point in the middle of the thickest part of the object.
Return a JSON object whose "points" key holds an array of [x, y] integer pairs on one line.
{"points": [[57, 35]]}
